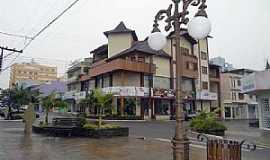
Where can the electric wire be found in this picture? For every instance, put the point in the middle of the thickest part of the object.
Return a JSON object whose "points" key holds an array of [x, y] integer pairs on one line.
{"points": [[39, 33]]}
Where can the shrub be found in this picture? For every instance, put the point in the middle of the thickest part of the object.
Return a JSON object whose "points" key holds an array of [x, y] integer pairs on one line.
{"points": [[82, 122], [103, 126], [206, 122]]}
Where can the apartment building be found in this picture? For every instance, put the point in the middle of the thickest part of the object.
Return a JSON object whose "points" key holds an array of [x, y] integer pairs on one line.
{"points": [[235, 104], [32, 71], [76, 70], [132, 71], [258, 84]]}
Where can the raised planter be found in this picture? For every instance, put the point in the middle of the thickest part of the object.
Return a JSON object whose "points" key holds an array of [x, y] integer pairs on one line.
{"points": [[219, 132], [58, 131], [117, 117]]}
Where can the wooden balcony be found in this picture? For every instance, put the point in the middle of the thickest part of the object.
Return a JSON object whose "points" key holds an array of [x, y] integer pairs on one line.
{"points": [[120, 64], [192, 71]]}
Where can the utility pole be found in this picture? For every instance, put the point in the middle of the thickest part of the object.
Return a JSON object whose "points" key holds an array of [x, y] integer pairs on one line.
{"points": [[1, 65], [2, 54]]}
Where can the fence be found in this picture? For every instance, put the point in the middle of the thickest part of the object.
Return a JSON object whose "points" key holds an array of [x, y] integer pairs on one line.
{"points": [[222, 149]]}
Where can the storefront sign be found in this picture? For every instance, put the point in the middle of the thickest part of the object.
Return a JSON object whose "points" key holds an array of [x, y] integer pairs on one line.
{"points": [[127, 91], [164, 92], [205, 95]]}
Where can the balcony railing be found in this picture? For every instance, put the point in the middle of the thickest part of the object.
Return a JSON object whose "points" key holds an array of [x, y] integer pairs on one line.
{"points": [[121, 64]]}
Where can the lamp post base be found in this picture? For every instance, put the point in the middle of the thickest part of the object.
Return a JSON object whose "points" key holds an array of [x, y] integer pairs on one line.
{"points": [[180, 149]]}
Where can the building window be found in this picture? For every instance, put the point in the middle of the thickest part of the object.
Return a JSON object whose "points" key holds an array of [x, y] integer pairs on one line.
{"points": [[184, 51], [133, 58], [162, 82], [239, 82], [266, 104], [241, 96], [141, 59], [234, 96], [191, 66], [204, 56], [205, 85], [204, 70], [195, 66]]}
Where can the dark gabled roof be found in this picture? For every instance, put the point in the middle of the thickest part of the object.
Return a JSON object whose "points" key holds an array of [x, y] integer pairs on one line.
{"points": [[143, 47], [121, 28], [100, 49], [185, 33]]}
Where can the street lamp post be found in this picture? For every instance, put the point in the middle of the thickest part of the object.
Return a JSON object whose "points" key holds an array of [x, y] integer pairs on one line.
{"points": [[199, 27]]}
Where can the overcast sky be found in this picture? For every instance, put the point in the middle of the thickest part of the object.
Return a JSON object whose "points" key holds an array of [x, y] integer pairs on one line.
{"points": [[241, 28]]}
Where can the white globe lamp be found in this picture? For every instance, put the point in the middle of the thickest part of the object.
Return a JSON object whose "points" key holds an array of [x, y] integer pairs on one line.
{"points": [[199, 27], [157, 41]]}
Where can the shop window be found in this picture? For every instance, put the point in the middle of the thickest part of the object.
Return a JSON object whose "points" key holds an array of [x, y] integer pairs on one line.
{"points": [[162, 107]]}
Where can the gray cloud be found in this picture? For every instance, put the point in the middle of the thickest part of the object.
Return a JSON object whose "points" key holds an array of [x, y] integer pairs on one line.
{"points": [[240, 27]]}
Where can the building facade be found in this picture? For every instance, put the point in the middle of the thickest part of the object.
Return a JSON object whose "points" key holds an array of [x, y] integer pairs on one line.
{"points": [[235, 104], [32, 71], [145, 78], [74, 86], [258, 84]]}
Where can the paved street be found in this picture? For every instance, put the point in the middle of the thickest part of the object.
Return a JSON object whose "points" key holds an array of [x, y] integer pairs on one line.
{"points": [[14, 145], [165, 130]]}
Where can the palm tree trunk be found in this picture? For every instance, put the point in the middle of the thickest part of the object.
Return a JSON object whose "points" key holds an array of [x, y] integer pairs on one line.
{"points": [[46, 117], [100, 118]]}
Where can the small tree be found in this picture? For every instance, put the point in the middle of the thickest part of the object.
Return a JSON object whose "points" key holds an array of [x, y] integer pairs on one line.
{"points": [[51, 102], [103, 101], [89, 101]]}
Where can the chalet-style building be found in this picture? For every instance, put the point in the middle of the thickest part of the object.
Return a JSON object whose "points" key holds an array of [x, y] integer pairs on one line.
{"points": [[142, 80]]}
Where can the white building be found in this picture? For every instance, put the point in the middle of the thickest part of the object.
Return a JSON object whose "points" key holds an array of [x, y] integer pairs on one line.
{"points": [[235, 104], [258, 84], [219, 61]]}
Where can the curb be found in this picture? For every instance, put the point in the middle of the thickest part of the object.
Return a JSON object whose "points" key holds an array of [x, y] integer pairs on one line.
{"points": [[119, 120], [11, 120]]}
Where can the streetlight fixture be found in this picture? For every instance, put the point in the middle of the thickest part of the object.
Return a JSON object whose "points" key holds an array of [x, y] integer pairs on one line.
{"points": [[199, 27]]}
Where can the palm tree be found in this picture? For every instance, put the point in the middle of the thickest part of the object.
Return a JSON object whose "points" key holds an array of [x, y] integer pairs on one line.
{"points": [[18, 96], [103, 101], [51, 102], [89, 101]]}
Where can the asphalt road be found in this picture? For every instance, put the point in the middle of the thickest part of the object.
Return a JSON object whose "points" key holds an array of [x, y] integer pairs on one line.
{"points": [[162, 130]]}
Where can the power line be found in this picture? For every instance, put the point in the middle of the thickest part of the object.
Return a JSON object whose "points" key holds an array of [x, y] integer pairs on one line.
{"points": [[48, 25], [41, 31], [15, 35]]}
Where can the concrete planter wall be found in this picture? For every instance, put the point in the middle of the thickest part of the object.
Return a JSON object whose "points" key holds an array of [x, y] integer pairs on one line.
{"points": [[216, 132], [81, 132]]}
